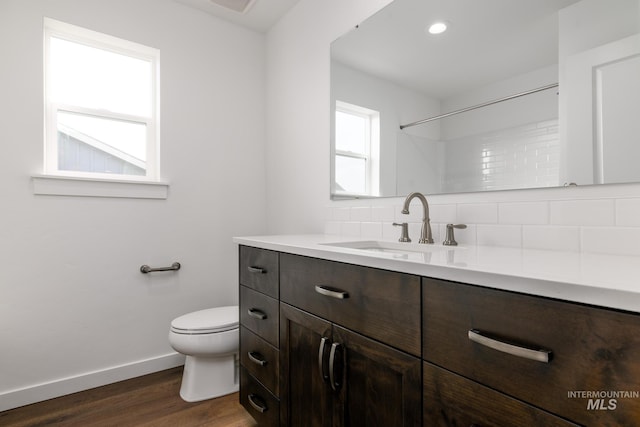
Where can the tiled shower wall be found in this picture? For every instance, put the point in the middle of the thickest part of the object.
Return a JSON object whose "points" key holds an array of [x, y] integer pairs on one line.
{"points": [[602, 219], [522, 156]]}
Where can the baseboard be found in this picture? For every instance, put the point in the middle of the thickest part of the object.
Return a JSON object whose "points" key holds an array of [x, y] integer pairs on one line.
{"points": [[39, 392]]}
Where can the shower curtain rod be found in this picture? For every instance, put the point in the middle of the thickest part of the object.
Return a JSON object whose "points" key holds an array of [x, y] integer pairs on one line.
{"points": [[485, 104]]}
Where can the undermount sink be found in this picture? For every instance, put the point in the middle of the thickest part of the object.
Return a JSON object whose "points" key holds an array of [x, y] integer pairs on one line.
{"points": [[400, 249]]}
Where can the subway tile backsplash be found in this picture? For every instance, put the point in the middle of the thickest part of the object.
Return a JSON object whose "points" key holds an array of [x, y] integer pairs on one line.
{"points": [[499, 235], [611, 240], [523, 213], [477, 213], [583, 212], [609, 225], [551, 237], [628, 212]]}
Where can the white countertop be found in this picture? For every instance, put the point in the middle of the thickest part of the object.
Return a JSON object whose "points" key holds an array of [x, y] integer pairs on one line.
{"points": [[604, 280]]}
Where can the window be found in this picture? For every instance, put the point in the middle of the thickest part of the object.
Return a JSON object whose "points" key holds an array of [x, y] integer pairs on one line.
{"points": [[101, 105], [356, 147]]}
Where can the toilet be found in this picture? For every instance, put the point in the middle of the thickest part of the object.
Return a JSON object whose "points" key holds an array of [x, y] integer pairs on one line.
{"points": [[209, 340]]}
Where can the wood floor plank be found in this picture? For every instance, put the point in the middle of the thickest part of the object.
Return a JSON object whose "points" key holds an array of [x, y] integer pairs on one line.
{"points": [[149, 401]]}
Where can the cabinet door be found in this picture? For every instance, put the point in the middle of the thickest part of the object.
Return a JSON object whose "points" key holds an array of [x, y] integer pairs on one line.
{"points": [[260, 359], [260, 270], [383, 305], [452, 400], [258, 401], [306, 399], [381, 385], [259, 313], [497, 338]]}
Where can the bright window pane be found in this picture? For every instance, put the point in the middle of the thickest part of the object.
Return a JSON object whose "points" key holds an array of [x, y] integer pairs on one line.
{"points": [[101, 105], [351, 132], [351, 175], [96, 144], [94, 78]]}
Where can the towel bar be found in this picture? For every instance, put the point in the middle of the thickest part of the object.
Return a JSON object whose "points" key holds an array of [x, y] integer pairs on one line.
{"points": [[146, 269]]}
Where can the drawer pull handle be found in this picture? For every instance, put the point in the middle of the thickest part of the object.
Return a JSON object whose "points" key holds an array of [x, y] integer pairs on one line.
{"points": [[257, 403], [537, 354], [331, 292], [257, 358], [321, 359], [256, 270], [335, 362], [258, 314]]}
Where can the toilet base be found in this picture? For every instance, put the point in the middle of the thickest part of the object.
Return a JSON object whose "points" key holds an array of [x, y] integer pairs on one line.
{"points": [[208, 377]]}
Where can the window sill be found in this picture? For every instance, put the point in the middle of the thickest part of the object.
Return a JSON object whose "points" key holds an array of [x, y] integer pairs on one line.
{"points": [[53, 185]]}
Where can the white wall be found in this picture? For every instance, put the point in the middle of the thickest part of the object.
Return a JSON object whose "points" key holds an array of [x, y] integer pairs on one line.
{"points": [[397, 105], [585, 218], [75, 311], [516, 112], [423, 164], [298, 109]]}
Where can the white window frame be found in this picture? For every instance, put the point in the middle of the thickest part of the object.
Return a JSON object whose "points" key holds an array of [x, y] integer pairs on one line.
{"points": [[371, 151], [61, 30]]}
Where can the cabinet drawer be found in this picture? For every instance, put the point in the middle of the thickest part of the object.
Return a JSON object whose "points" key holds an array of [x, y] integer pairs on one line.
{"points": [[451, 400], [260, 359], [592, 349], [261, 405], [380, 304], [259, 313], [259, 270]]}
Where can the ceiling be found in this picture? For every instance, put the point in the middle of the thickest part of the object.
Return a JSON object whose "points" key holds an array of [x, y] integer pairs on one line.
{"points": [[489, 40], [487, 36], [260, 15]]}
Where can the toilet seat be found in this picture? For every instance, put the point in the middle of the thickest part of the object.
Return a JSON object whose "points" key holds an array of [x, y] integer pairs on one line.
{"points": [[209, 321]]}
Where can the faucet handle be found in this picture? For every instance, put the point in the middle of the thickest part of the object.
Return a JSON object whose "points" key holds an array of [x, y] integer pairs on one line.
{"points": [[450, 239], [404, 235]]}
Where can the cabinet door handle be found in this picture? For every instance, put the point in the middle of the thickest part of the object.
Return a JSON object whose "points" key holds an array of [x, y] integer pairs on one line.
{"points": [[321, 359], [257, 358], [257, 403], [532, 353], [335, 379], [256, 270], [258, 314], [332, 292]]}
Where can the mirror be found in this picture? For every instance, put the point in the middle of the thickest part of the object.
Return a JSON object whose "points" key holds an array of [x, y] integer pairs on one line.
{"points": [[542, 93]]}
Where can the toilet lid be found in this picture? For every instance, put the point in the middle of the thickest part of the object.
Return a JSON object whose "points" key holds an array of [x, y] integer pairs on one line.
{"points": [[211, 320]]}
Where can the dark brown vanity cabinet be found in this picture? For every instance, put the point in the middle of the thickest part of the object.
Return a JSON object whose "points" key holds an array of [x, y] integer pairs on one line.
{"points": [[345, 336], [259, 334], [328, 344], [325, 343], [506, 359]]}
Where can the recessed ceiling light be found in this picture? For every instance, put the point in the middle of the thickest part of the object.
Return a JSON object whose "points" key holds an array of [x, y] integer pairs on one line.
{"points": [[437, 27], [241, 6]]}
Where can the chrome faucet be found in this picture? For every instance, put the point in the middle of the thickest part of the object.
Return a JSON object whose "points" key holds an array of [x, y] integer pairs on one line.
{"points": [[425, 232]]}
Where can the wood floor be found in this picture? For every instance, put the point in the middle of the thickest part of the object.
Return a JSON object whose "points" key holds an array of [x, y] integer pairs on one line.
{"points": [[151, 400]]}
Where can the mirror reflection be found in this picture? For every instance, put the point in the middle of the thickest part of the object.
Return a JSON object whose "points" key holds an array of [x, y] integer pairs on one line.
{"points": [[514, 94]]}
